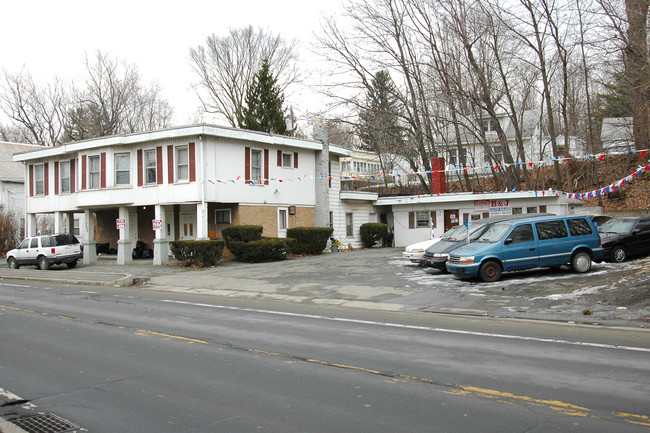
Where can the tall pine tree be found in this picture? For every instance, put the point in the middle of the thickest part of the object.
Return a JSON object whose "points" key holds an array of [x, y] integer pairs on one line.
{"points": [[263, 106]]}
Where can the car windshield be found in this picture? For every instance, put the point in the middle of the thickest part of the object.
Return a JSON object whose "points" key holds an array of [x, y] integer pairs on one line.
{"points": [[494, 233], [459, 233], [617, 225]]}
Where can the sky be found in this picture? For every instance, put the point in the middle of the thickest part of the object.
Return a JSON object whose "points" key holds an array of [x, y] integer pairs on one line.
{"points": [[52, 38]]}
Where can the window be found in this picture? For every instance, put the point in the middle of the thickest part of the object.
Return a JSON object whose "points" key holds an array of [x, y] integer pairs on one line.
{"points": [[64, 176], [489, 125], [287, 160], [150, 166], [517, 211], [256, 165], [39, 179], [93, 172], [551, 230], [531, 209], [522, 233], [422, 218], [122, 169], [75, 228], [349, 227], [222, 216], [282, 219], [579, 227], [182, 164]]}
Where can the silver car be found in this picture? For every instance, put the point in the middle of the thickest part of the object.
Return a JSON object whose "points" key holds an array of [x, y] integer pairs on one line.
{"points": [[46, 250]]}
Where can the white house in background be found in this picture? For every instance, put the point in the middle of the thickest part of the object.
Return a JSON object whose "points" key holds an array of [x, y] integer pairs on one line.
{"points": [[12, 181], [536, 142], [616, 135], [189, 183]]}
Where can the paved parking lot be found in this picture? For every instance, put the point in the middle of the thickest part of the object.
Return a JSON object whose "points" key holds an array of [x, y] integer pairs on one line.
{"points": [[612, 294]]}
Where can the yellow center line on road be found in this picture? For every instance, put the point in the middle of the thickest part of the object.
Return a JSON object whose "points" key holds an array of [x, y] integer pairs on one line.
{"points": [[453, 389]]}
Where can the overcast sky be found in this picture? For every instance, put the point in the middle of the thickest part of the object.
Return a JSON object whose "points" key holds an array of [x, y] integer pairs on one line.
{"points": [[52, 38]]}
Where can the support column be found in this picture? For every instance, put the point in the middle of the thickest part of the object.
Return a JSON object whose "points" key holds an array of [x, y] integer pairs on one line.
{"points": [[125, 241], [59, 223], [90, 249], [68, 226], [202, 221], [160, 246], [30, 225]]}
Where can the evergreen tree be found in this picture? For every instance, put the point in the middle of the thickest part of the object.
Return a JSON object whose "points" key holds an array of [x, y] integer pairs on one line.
{"points": [[379, 127], [263, 110]]}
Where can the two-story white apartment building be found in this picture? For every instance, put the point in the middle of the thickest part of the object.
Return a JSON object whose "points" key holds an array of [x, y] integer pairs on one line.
{"points": [[187, 183]]}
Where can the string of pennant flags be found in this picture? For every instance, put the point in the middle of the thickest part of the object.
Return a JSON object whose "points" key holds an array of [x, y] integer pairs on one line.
{"points": [[398, 177]]}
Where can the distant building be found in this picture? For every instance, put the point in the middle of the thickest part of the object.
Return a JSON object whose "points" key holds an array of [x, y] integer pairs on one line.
{"points": [[617, 136]]}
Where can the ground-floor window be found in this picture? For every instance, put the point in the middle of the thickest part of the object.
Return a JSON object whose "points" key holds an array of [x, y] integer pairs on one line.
{"points": [[222, 216], [349, 227], [282, 219]]}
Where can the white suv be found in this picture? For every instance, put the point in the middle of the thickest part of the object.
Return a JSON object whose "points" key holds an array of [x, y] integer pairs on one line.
{"points": [[46, 250]]}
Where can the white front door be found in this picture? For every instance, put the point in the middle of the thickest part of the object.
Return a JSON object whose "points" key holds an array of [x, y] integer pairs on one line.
{"points": [[187, 227]]}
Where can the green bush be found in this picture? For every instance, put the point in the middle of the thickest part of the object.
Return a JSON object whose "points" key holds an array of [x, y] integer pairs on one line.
{"points": [[371, 233], [263, 250], [309, 240], [241, 234], [202, 253]]}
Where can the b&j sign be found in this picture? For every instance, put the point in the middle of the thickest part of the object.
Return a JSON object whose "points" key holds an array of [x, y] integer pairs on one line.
{"points": [[500, 207]]}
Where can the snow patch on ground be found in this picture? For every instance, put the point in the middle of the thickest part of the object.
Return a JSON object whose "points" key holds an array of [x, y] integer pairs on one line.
{"points": [[573, 295]]}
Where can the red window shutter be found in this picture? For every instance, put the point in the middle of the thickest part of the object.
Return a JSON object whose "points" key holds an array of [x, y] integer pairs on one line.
{"points": [[73, 175], [192, 161], [102, 161], [411, 220], [159, 165], [295, 159], [247, 163], [46, 178], [83, 172], [56, 177], [170, 164], [279, 158], [31, 180], [140, 174], [266, 166]]}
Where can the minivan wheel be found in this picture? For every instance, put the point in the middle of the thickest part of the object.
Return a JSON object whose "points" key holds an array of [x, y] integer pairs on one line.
{"points": [[489, 271], [581, 261], [43, 263], [619, 254], [13, 264], [72, 264]]}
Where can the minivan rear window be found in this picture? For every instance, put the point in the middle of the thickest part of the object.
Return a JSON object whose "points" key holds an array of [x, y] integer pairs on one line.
{"points": [[551, 230], [579, 227]]}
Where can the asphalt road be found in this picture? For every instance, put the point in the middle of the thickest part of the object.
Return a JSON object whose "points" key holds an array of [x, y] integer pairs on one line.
{"points": [[132, 360]]}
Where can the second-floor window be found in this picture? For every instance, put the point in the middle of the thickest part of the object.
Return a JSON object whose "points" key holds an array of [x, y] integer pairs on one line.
{"points": [[93, 172], [39, 179], [122, 169], [489, 126], [64, 176], [182, 164], [150, 166], [256, 165]]}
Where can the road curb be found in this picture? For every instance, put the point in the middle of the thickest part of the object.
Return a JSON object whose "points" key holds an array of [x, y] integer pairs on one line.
{"points": [[125, 280], [7, 427]]}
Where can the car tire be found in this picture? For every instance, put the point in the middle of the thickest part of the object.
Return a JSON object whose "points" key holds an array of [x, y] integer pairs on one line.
{"points": [[619, 254], [43, 263], [72, 264], [581, 262], [490, 271], [13, 264]]}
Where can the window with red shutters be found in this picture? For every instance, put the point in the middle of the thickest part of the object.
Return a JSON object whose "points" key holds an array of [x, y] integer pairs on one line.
{"points": [[192, 158], [170, 164]]}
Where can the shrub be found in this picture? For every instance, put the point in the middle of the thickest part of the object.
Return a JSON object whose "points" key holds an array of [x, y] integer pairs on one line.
{"points": [[8, 232], [371, 233], [309, 240], [246, 233], [202, 253], [263, 250]]}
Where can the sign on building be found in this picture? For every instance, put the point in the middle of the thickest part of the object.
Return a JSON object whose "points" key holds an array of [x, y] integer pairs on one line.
{"points": [[120, 223], [157, 224], [500, 207]]}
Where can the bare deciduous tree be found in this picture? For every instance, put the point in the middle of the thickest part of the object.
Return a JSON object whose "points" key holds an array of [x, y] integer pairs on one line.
{"points": [[226, 66]]}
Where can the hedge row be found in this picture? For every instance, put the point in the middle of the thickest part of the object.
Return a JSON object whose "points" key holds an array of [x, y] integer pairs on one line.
{"points": [[263, 250], [371, 233], [203, 253]]}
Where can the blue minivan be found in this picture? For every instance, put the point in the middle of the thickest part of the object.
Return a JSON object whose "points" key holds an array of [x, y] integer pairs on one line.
{"points": [[531, 243]]}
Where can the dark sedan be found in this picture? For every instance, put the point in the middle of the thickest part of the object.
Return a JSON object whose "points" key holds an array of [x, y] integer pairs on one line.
{"points": [[625, 236]]}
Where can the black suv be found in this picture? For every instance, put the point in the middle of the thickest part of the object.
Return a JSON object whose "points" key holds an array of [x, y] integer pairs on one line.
{"points": [[625, 236]]}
